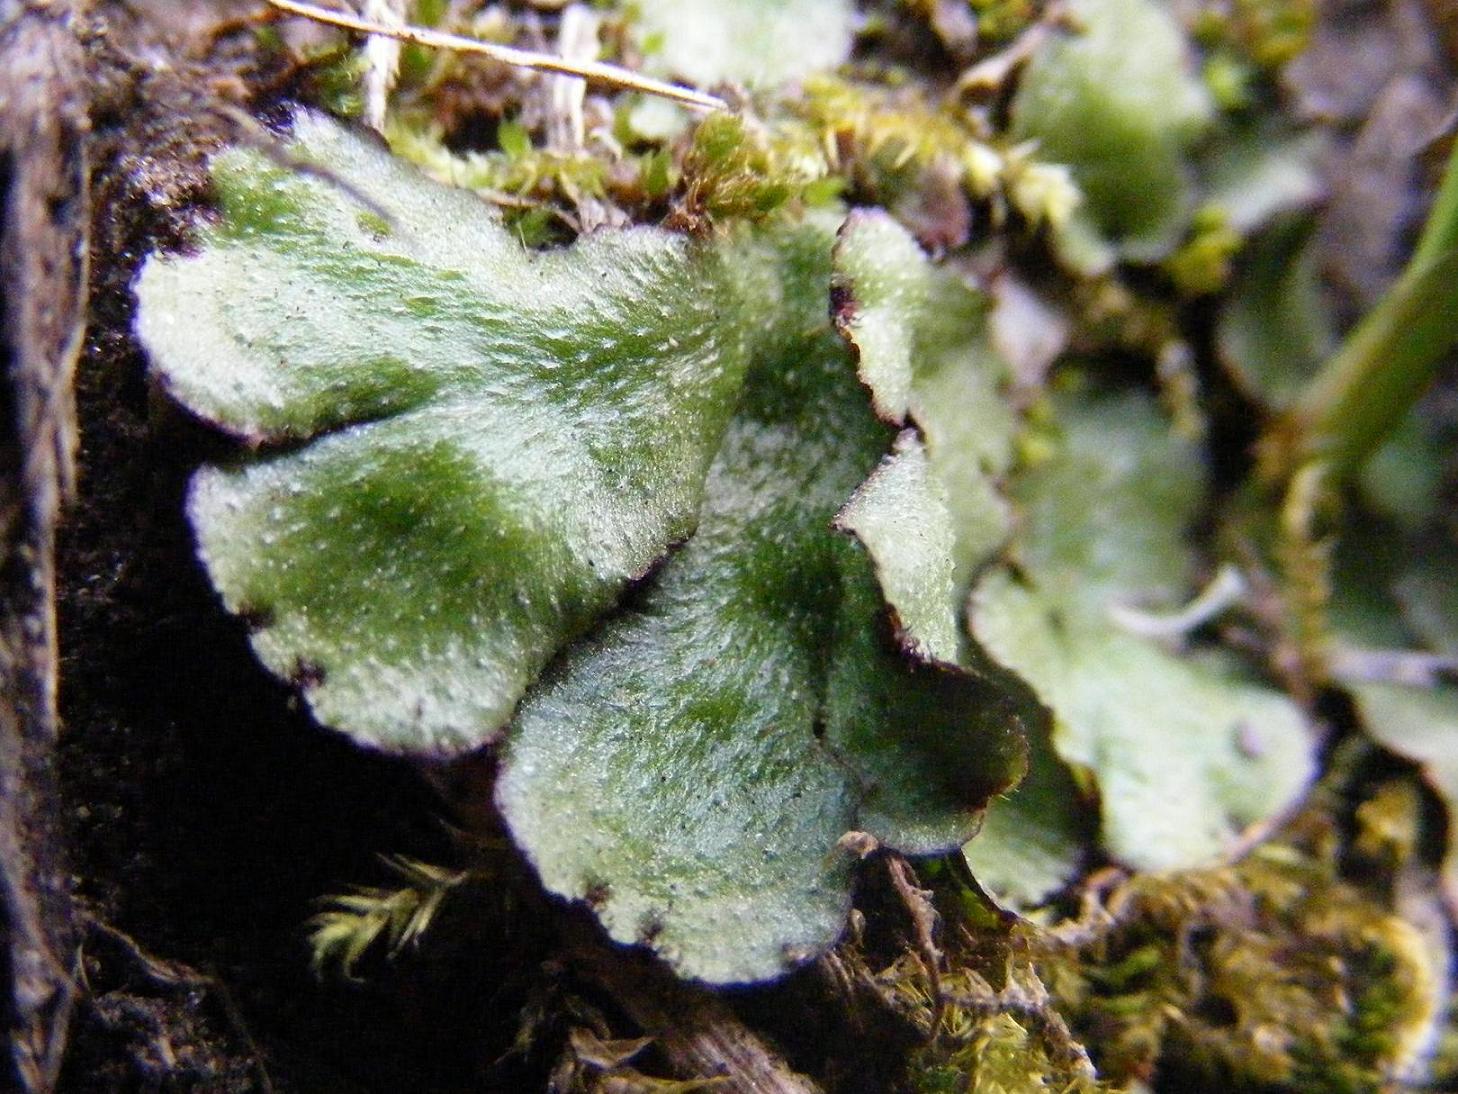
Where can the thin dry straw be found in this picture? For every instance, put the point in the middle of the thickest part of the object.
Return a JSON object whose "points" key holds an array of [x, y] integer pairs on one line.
{"points": [[593, 71]]}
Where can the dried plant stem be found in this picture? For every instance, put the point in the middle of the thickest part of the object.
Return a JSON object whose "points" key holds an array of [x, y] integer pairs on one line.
{"points": [[694, 1029], [592, 71], [1305, 563]]}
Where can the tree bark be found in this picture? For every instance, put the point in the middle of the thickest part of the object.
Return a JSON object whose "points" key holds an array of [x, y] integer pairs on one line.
{"points": [[43, 240]]}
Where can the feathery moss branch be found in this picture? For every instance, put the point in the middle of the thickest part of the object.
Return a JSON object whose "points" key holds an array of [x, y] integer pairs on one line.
{"points": [[350, 923]]}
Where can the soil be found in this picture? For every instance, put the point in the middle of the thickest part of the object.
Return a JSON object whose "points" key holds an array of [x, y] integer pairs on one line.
{"points": [[206, 814]]}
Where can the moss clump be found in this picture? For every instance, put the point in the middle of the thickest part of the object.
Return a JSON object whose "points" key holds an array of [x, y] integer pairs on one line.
{"points": [[991, 1053], [884, 138], [1001, 20], [997, 21], [1265, 33], [1203, 264], [1272, 973], [889, 142], [1247, 44], [735, 169], [981, 1039]]}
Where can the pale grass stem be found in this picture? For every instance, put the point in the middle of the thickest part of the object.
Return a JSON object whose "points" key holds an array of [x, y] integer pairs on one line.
{"points": [[592, 71]]}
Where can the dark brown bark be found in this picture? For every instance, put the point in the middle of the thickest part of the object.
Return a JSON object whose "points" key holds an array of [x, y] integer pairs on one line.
{"points": [[43, 125]]}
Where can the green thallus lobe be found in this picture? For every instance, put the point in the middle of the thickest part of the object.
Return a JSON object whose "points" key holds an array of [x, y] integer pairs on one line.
{"points": [[472, 452]]}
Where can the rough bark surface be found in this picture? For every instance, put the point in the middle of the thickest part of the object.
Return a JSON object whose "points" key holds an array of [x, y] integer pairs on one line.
{"points": [[43, 125]]}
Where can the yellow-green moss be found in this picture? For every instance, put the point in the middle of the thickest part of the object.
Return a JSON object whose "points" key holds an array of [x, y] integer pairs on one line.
{"points": [[1202, 265], [736, 169], [1270, 973], [997, 20], [1269, 33], [985, 1039]]}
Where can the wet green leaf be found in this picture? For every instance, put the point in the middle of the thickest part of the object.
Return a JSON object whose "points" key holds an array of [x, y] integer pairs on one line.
{"points": [[482, 451], [1119, 102], [763, 42], [528, 432], [1276, 329], [1404, 480], [1422, 725], [1036, 837], [1185, 751], [690, 769], [1428, 594], [924, 349], [1384, 604], [1255, 175], [888, 514]]}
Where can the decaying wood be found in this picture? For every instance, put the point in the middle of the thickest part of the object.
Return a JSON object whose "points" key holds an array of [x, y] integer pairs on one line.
{"points": [[695, 1030], [924, 920], [43, 123]]}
